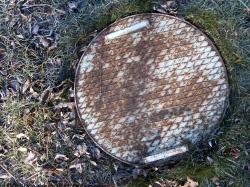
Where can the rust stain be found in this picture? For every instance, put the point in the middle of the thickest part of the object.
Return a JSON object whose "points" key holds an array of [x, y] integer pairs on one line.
{"points": [[157, 84]]}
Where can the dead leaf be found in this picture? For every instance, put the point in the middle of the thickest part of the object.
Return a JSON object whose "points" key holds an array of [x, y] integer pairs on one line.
{"points": [[24, 17], [14, 85], [71, 93], [77, 167], [83, 49], [59, 169], [72, 6], [4, 176], [4, 72], [115, 167], [22, 149], [216, 180], [78, 136], [212, 143], [190, 183], [33, 93], [61, 157], [96, 153], [61, 105], [20, 36], [45, 95], [169, 6], [57, 62], [81, 150], [235, 152], [136, 172], [21, 135], [164, 183], [209, 159], [26, 111], [53, 46], [158, 184], [45, 42], [35, 29], [155, 168], [93, 163], [26, 86], [31, 158], [60, 11]]}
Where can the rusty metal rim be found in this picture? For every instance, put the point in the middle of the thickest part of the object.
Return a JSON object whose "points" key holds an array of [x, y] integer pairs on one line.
{"points": [[209, 40]]}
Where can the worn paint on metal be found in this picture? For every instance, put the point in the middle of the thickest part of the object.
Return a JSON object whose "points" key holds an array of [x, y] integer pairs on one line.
{"points": [[147, 85]]}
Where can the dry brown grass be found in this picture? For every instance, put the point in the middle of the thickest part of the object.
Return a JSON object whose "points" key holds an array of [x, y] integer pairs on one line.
{"points": [[42, 143]]}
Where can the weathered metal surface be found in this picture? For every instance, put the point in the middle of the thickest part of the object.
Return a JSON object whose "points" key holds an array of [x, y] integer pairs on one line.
{"points": [[147, 85]]}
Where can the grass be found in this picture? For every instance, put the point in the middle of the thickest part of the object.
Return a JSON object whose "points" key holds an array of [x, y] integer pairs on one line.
{"points": [[226, 24], [46, 130], [22, 133]]}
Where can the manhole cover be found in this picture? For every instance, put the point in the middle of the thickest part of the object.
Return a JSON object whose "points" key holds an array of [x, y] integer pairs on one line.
{"points": [[148, 85]]}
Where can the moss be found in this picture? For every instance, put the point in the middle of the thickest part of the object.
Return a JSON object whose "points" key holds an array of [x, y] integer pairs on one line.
{"points": [[224, 166], [133, 7], [212, 25], [216, 27], [102, 21], [197, 172], [121, 10]]}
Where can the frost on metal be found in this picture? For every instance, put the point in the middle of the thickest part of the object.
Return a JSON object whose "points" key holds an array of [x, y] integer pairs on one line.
{"points": [[148, 85]]}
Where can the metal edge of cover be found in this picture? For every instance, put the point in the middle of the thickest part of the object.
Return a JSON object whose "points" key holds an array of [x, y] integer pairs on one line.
{"points": [[168, 153]]}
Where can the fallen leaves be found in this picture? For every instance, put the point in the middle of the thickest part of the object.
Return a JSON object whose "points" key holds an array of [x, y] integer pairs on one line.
{"points": [[216, 180], [78, 167], [158, 184], [31, 158], [164, 183], [235, 152], [93, 163], [53, 46], [4, 176], [168, 183], [210, 160], [26, 86], [212, 143], [22, 135], [35, 29], [190, 183], [72, 6], [2, 54], [81, 150], [44, 42], [96, 153], [60, 157], [22, 149], [45, 95], [20, 36], [166, 6]]}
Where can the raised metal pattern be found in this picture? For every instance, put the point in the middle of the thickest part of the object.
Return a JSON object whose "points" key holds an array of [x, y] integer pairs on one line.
{"points": [[147, 85]]}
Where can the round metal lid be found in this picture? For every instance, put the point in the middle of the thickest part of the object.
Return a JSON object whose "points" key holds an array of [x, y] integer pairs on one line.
{"points": [[148, 85]]}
